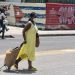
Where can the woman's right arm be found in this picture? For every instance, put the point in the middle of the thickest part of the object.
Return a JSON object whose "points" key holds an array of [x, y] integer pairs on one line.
{"points": [[26, 28]]}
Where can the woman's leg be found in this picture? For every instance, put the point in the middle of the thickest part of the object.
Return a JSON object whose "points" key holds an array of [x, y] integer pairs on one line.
{"points": [[30, 67], [16, 63], [29, 64]]}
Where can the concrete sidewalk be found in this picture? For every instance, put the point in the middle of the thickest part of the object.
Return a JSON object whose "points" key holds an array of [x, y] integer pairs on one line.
{"points": [[56, 33], [18, 31]]}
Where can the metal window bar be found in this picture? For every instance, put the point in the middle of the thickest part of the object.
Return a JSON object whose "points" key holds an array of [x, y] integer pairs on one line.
{"points": [[34, 1], [44, 1]]}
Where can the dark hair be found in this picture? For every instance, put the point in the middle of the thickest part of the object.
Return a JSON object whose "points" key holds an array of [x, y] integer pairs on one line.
{"points": [[33, 14]]}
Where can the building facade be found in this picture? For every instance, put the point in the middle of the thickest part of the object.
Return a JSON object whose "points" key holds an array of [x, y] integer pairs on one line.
{"points": [[42, 1], [13, 0]]}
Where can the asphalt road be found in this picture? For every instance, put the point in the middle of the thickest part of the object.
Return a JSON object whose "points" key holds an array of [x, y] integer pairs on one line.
{"points": [[50, 59], [57, 42], [60, 63], [46, 43]]}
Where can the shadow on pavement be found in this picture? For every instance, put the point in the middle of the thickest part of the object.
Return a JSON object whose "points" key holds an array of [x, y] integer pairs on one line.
{"points": [[24, 71], [8, 36]]}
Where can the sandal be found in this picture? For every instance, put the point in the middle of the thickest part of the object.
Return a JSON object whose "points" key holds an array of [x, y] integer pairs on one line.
{"points": [[16, 66], [32, 69]]}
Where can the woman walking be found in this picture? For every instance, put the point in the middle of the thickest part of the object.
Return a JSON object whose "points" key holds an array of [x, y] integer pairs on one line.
{"points": [[31, 40]]}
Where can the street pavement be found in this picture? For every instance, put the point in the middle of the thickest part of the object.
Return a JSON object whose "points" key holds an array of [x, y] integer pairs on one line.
{"points": [[47, 63], [56, 62]]}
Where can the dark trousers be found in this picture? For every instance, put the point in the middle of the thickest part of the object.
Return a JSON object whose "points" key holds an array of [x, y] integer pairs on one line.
{"points": [[3, 28]]}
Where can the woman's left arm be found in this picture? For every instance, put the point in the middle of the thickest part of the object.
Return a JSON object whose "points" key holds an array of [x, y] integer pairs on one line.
{"points": [[37, 40]]}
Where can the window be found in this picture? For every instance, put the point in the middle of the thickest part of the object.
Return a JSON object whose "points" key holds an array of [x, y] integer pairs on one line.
{"points": [[34, 1]]}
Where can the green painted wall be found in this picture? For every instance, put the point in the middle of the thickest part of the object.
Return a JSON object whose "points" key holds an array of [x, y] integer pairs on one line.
{"points": [[55, 1], [63, 1]]}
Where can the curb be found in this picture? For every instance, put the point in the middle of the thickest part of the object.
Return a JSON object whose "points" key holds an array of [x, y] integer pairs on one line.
{"points": [[56, 34], [41, 35]]}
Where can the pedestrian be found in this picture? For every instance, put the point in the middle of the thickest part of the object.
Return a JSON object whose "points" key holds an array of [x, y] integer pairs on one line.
{"points": [[2, 17], [5, 21], [31, 40]]}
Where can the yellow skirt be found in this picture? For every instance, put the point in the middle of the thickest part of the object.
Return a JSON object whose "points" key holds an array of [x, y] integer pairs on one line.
{"points": [[24, 53]]}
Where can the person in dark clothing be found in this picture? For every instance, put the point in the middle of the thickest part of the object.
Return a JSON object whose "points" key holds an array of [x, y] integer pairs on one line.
{"points": [[4, 9], [2, 17]]}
